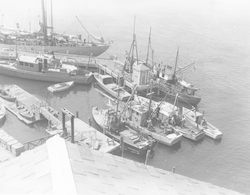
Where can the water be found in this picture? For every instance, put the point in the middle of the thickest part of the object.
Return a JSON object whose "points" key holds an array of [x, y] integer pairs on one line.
{"points": [[214, 34]]}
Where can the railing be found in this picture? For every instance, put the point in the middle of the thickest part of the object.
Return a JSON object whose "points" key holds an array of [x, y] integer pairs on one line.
{"points": [[37, 142]]}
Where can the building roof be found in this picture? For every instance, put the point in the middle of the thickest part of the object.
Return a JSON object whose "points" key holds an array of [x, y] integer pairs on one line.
{"points": [[59, 167]]}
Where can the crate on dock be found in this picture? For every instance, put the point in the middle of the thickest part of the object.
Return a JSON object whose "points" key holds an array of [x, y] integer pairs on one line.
{"points": [[17, 149], [10, 143]]}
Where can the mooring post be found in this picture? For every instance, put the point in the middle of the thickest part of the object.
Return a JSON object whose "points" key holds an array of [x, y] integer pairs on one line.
{"points": [[122, 145], [63, 124], [173, 170], [77, 114], [147, 156], [72, 129]]}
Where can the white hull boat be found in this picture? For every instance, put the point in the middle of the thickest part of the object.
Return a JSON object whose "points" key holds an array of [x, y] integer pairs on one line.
{"points": [[106, 83], [197, 119], [60, 86]]}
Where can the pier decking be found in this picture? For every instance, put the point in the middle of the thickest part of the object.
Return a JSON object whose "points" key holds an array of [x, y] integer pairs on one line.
{"points": [[40, 108], [87, 135]]}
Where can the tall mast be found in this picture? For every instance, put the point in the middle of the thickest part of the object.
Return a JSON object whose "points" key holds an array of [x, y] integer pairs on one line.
{"points": [[51, 10], [176, 60], [149, 44], [44, 22]]}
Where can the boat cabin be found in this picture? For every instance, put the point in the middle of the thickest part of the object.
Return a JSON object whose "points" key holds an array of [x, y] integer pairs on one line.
{"points": [[137, 113], [140, 75], [36, 63], [194, 115], [106, 79]]}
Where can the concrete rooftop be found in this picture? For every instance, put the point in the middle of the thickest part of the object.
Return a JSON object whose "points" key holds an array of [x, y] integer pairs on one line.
{"points": [[59, 167]]}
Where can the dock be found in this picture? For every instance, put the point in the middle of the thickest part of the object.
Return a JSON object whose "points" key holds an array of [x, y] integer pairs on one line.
{"points": [[10, 144], [88, 136], [40, 108]]}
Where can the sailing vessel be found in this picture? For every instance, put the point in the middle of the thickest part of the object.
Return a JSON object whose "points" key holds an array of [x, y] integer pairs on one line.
{"points": [[45, 68], [107, 83], [198, 120], [55, 42], [60, 86]]}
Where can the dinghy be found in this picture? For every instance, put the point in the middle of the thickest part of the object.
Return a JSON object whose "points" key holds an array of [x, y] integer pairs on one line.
{"points": [[60, 86], [5, 94], [24, 111]]}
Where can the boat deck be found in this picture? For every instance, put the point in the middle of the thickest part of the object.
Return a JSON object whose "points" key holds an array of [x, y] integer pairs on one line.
{"points": [[87, 135]]}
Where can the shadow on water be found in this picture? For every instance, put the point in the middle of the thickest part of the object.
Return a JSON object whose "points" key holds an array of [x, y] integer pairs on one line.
{"points": [[215, 141]]}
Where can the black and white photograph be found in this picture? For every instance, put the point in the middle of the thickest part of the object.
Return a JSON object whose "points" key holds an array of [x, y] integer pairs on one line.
{"points": [[115, 97]]}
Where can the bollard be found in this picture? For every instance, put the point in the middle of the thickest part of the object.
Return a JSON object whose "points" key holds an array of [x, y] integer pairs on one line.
{"points": [[147, 155], [173, 170], [77, 114], [122, 145]]}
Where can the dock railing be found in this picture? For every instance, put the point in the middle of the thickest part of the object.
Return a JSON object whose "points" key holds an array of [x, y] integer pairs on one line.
{"points": [[37, 142]]}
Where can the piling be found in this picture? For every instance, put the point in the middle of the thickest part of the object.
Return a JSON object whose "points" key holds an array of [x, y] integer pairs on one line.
{"points": [[122, 145], [147, 156], [63, 125], [72, 129], [173, 170]]}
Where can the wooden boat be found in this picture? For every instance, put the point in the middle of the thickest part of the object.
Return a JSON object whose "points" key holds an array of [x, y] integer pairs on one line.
{"points": [[24, 111], [107, 83], [2, 111], [5, 94], [45, 68], [108, 123], [60, 86], [197, 119], [162, 132], [167, 112]]}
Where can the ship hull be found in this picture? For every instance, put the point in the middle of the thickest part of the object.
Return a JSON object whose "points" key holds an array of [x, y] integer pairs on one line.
{"points": [[44, 76], [86, 50]]}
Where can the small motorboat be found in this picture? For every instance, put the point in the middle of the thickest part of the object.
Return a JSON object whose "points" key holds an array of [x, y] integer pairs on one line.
{"points": [[2, 111], [107, 84], [197, 119], [5, 94], [60, 86], [24, 111]]}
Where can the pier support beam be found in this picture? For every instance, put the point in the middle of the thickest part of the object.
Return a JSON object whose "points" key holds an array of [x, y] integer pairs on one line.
{"points": [[68, 113]]}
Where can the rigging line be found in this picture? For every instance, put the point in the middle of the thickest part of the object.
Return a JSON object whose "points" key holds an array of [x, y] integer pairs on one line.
{"points": [[95, 23]]}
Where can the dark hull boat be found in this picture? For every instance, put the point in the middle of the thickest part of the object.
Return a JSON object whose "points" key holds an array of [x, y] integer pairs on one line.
{"points": [[133, 141]]}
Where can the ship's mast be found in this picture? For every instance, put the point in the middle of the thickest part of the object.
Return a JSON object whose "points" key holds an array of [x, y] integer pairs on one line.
{"points": [[45, 34], [149, 45]]}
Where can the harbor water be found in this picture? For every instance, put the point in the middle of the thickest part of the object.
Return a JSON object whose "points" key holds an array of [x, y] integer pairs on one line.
{"points": [[214, 34]]}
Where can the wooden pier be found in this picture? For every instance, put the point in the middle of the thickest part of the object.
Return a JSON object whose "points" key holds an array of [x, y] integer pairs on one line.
{"points": [[40, 108], [87, 135]]}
